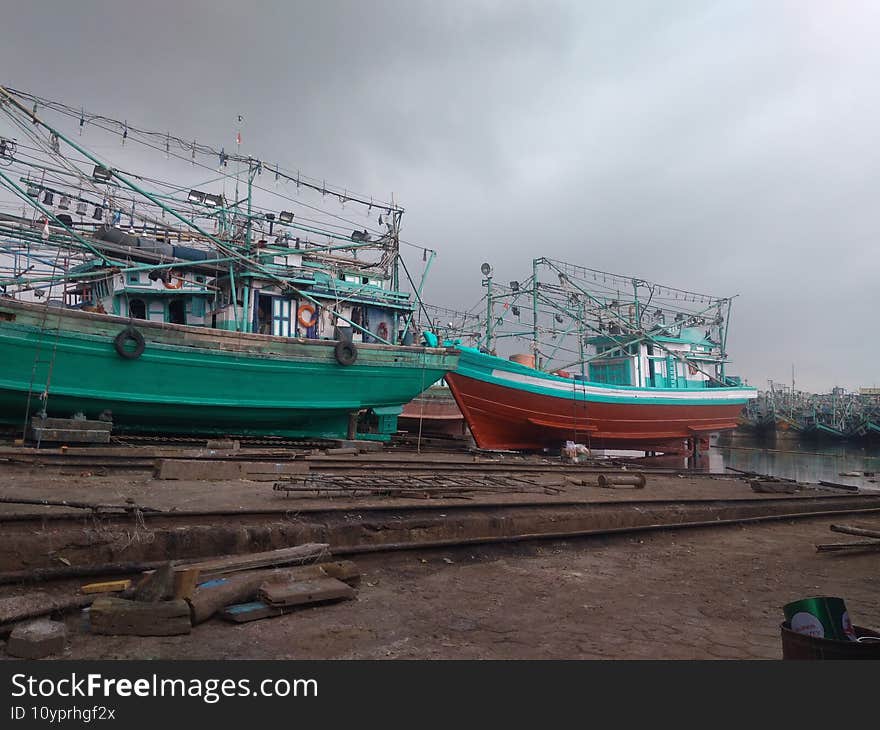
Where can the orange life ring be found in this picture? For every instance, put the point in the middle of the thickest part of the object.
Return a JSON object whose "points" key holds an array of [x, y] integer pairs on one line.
{"points": [[174, 283], [382, 331], [306, 316]]}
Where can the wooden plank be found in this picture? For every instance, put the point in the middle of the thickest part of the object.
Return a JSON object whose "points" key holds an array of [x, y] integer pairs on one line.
{"points": [[304, 592], [835, 485], [307, 553], [253, 611], [344, 570], [156, 585], [758, 485], [860, 531], [858, 545], [121, 617], [184, 582], [38, 603], [109, 586]]}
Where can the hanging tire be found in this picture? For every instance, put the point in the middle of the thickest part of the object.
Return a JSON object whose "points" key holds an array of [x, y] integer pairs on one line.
{"points": [[346, 353], [129, 334]]}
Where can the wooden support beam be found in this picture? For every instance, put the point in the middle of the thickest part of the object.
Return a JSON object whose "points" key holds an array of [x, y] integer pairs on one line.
{"points": [[860, 531]]}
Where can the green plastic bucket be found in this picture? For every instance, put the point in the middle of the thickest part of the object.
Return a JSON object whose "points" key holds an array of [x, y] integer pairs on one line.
{"points": [[821, 617]]}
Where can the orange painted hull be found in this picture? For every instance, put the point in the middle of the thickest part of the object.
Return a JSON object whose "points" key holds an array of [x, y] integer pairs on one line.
{"points": [[502, 417]]}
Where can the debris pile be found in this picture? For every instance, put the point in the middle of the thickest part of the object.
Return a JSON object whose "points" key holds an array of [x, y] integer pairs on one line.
{"points": [[177, 596]]}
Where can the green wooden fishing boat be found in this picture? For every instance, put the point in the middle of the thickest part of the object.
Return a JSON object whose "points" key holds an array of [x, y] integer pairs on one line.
{"points": [[208, 310], [197, 380]]}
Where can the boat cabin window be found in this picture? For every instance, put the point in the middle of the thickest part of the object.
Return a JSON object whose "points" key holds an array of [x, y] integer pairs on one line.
{"points": [[137, 309], [177, 311]]}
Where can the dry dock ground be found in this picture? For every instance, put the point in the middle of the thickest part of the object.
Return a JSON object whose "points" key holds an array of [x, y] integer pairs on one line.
{"points": [[697, 593]]}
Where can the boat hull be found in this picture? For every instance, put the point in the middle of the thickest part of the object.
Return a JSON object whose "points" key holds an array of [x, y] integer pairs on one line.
{"points": [[510, 406], [195, 380], [434, 413]]}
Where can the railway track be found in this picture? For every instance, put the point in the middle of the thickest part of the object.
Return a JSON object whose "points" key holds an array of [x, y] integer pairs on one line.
{"points": [[145, 458], [87, 543]]}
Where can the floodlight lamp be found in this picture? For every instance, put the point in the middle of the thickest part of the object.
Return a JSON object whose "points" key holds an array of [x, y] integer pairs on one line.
{"points": [[196, 196], [486, 269], [269, 216], [514, 286], [214, 200], [101, 173], [285, 216]]}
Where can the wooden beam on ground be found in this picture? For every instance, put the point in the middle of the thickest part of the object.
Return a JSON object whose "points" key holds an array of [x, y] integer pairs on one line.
{"points": [[836, 546], [852, 530], [120, 617], [308, 553], [38, 603], [305, 592], [212, 596]]}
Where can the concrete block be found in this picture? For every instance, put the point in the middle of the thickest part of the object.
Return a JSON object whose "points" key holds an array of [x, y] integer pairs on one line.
{"points": [[37, 639]]}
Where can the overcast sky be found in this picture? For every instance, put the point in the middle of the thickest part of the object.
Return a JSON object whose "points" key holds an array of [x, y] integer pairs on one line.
{"points": [[728, 147]]}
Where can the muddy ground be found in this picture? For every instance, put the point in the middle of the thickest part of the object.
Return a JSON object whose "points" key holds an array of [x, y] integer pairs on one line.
{"points": [[685, 594]]}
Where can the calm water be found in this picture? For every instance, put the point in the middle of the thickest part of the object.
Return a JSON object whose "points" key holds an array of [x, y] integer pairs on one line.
{"points": [[807, 462]]}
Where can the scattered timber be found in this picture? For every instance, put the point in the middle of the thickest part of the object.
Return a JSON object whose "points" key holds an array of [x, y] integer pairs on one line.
{"points": [[305, 592], [121, 617], [762, 477], [872, 544], [212, 596], [763, 486], [837, 546], [155, 586], [310, 552], [852, 530], [77, 571], [78, 505], [835, 485], [38, 603]]}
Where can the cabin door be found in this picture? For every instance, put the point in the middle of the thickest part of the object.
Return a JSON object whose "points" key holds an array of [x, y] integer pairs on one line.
{"points": [[281, 317]]}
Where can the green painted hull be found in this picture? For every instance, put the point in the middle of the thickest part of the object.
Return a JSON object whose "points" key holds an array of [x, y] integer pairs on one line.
{"points": [[193, 380]]}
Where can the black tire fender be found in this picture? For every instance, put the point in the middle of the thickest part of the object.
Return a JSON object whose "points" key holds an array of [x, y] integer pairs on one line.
{"points": [[133, 335], [346, 353]]}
